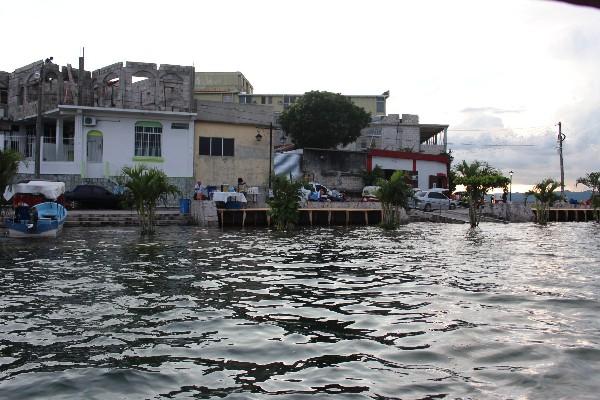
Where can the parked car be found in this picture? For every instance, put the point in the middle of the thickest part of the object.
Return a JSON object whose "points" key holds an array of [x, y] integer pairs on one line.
{"points": [[92, 196], [369, 193], [428, 200]]}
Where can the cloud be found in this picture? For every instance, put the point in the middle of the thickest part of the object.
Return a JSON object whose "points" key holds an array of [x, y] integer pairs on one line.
{"points": [[492, 110]]}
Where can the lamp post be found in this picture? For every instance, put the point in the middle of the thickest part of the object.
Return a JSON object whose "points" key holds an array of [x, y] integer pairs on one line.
{"points": [[39, 126], [510, 187]]}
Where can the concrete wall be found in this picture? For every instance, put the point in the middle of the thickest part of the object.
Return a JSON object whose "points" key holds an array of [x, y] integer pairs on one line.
{"points": [[341, 170], [221, 82], [250, 160], [137, 85]]}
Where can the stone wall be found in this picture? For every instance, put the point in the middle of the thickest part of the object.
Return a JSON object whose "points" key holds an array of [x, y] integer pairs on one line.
{"points": [[341, 170], [512, 212]]}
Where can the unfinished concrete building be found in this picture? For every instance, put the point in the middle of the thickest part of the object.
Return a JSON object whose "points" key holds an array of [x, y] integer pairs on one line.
{"points": [[4, 122], [94, 123], [143, 86]]}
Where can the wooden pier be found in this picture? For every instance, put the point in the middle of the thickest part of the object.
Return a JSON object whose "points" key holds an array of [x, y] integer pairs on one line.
{"points": [[308, 216], [569, 214]]}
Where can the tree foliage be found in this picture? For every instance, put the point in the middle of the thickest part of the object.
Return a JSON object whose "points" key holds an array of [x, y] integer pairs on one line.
{"points": [[9, 166], [394, 195], [592, 180], [478, 177], [284, 204], [146, 187], [545, 196], [370, 178], [323, 120]]}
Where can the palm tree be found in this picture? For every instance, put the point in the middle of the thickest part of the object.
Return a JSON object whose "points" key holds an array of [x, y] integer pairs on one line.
{"points": [[9, 166], [544, 196], [478, 177], [394, 195], [592, 180], [145, 188]]}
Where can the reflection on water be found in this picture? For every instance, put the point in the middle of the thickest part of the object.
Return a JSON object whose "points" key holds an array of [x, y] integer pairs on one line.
{"points": [[429, 311]]}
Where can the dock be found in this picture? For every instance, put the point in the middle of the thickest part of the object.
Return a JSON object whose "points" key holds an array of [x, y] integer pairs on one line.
{"points": [[559, 214], [308, 216]]}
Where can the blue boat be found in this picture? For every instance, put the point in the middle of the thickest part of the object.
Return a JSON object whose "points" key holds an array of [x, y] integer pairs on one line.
{"points": [[42, 220]]}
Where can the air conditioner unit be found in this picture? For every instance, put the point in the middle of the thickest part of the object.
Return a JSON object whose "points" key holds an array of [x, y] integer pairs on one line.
{"points": [[89, 121]]}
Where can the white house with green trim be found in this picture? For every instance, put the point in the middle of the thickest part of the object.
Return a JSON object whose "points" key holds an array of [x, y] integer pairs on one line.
{"points": [[97, 142]]}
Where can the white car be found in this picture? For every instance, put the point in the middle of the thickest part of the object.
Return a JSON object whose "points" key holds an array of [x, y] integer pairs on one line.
{"points": [[369, 193], [428, 200]]}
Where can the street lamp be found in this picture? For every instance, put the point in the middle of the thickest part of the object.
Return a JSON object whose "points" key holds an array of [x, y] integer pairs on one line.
{"points": [[39, 123], [510, 187]]}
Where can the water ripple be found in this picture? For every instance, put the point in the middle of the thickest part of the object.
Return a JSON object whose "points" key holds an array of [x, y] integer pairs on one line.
{"points": [[429, 311]]}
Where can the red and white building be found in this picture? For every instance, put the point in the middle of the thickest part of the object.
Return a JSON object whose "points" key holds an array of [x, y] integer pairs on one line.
{"points": [[402, 144]]}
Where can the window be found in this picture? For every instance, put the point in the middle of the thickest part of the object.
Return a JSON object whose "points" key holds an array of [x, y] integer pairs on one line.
{"points": [[94, 146], [216, 147], [380, 103], [3, 96], [148, 139], [204, 146], [289, 100], [228, 147], [245, 99], [266, 100], [219, 147], [180, 125]]}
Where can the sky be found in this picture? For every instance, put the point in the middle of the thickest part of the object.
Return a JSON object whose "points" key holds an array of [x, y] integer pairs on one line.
{"points": [[501, 74]]}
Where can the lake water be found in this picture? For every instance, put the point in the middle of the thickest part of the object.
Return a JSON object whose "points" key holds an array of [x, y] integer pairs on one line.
{"points": [[430, 311]]}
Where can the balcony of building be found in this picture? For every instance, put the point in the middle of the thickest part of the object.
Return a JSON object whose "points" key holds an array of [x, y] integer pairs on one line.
{"points": [[433, 138]]}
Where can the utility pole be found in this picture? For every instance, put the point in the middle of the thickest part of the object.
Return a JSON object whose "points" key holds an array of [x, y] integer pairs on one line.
{"points": [[39, 125], [561, 138]]}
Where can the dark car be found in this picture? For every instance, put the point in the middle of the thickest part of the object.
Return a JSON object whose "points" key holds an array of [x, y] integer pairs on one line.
{"points": [[92, 196]]}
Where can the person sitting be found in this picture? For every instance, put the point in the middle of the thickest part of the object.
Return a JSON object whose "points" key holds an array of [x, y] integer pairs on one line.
{"points": [[200, 191]]}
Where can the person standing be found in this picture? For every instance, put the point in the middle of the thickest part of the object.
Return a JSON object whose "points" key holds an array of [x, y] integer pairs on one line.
{"points": [[241, 186]]}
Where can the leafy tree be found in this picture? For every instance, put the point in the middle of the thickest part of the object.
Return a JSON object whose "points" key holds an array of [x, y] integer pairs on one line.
{"points": [[394, 195], [478, 177], [145, 188], [9, 166], [284, 204], [324, 120], [592, 180], [545, 196], [370, 178]]}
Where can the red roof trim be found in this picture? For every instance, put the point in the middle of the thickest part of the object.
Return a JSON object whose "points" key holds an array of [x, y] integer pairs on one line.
{"points": [[442, 158]]}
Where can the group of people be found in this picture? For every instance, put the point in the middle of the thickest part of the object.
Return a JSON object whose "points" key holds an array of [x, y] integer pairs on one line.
{"points": [[201, 192]]}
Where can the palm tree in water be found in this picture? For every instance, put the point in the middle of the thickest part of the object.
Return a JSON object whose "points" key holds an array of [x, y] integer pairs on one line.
{"points": [[592, 180], [544, 196]]}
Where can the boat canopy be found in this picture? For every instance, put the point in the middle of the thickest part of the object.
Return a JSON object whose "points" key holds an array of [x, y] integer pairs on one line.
{"points": [[50, 190]]}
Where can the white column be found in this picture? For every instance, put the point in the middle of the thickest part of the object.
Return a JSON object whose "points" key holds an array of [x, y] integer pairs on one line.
{"points": [[59, 139], [80, 156]]}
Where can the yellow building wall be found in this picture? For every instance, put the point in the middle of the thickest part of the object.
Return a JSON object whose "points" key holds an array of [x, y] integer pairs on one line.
{"points": [[368, 103], [250, 160]]}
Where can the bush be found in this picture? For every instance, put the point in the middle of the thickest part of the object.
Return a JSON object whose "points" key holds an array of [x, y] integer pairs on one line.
{"points": [[284, 204]]}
